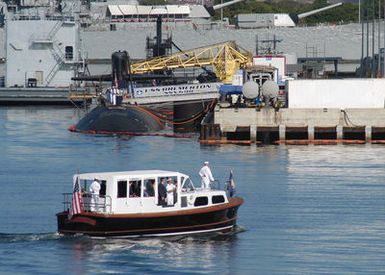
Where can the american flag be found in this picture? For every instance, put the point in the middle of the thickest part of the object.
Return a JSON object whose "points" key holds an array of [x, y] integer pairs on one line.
{"points": [[77, 204], [231, 186], [116, 83]]}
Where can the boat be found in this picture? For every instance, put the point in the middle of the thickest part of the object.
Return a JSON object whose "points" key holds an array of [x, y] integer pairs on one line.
{"points": [[132, 204]]}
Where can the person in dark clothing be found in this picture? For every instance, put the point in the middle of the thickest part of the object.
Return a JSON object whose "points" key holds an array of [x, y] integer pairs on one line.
{"points": [[150, 188], [162, 192]]}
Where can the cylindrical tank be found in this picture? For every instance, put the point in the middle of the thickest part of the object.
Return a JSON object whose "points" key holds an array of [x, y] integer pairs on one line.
{"points": [[270, 89], [250, 89]]}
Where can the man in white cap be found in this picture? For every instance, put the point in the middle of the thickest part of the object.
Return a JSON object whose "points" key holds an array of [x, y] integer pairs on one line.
{"points": [[206, 175], [94, 190], [170, 192]]}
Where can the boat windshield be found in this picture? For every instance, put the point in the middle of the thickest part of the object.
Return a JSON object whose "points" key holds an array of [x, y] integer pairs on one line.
{"points": [[187, 185]]}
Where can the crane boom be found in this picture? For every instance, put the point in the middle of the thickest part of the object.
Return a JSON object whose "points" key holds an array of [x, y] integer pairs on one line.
{"points": [[306, 14], [225, 58]]}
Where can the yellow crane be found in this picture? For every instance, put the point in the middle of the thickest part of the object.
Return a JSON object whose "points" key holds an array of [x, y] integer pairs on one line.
{"points": [[225, 58]]}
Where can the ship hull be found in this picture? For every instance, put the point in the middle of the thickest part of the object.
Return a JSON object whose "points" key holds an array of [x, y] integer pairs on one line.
{"points": [[220, 218], [119, 120]]}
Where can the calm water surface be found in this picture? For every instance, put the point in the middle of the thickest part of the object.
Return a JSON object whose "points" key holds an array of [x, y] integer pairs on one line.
{"points": [[308, 209]]}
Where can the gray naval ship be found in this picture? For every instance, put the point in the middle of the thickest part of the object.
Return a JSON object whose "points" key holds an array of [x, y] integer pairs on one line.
{"points": [[40, 53], [100, 28]]}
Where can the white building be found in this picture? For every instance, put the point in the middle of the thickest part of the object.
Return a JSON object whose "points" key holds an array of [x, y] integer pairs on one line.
{"points": [[264, 20]]}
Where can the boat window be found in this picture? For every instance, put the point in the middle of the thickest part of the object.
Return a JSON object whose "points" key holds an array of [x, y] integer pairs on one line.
{"points": [[187, 185], [218, 199], [183, 201], [164, 180], [199, 201], [122, 189], [103, 185], [149, 188], [135, 187], [84, 184]]}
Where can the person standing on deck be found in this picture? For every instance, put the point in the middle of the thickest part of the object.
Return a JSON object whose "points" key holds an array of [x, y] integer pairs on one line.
{"points": [[170, 192], [162, 192], [94, 190], [206, 175]]}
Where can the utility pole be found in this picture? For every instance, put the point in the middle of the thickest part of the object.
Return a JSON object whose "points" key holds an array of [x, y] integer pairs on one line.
{"points": [[373, 54], [378, 69], [362, 46]]}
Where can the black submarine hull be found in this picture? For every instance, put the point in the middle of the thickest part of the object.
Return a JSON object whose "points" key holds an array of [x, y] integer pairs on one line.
{"points": [[188, 117], [119, 120]]}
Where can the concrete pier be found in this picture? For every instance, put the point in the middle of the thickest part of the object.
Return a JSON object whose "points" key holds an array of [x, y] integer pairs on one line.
{"points": [[302, 125], [44, 96]]}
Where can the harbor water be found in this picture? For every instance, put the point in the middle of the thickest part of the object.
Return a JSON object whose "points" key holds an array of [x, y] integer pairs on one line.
{"points": [[308, 209]]}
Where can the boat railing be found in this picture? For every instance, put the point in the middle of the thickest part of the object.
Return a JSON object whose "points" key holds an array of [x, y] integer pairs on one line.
{"points": [[103, 203], [226, 186], [215, 185]]}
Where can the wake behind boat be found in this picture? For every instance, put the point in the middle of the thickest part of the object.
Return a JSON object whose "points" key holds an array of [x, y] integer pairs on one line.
{"points": [[145, 203]]}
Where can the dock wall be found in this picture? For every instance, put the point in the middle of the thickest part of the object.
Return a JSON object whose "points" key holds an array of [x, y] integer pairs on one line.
{"points": [[230, 119], [336, 93], [270, 126]]}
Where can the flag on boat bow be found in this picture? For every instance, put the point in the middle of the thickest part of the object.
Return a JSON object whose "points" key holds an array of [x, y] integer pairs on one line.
{"points": [[76, 204], [231, 184]]}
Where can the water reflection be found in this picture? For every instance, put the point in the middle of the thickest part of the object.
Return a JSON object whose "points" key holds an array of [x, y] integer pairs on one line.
{"points": [[188, 254]]}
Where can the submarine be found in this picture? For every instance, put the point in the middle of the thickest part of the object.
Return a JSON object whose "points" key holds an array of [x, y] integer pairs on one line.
{"points": [[118, 111], [110, 116], [129, 120]]}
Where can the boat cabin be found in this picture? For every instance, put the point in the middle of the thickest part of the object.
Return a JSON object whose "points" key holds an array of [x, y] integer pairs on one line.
{"points": [[144, 191]]}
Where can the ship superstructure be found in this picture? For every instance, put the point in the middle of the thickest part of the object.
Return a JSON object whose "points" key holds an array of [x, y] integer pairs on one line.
{"points": [[42, 46]]}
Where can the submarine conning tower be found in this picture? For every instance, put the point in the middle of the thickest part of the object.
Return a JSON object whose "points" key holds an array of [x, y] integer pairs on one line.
{"points": [[119, 61]]}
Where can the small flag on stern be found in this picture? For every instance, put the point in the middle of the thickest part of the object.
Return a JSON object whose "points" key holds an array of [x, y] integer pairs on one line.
{"points": [[231, 185], [77, 204]]}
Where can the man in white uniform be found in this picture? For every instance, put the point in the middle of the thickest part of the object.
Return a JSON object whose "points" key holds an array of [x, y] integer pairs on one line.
{"points": [[170, 192], [206, 175], [94, 190]]}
